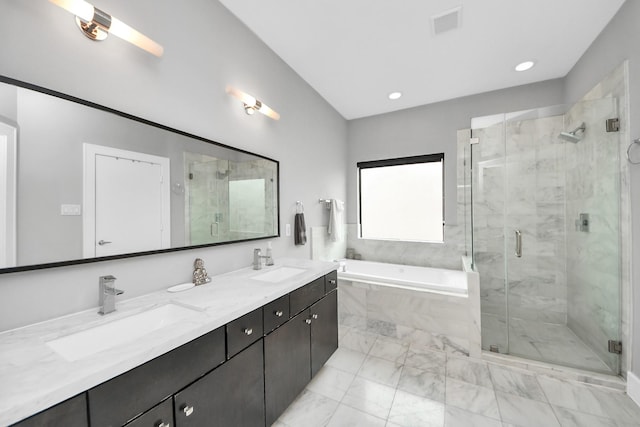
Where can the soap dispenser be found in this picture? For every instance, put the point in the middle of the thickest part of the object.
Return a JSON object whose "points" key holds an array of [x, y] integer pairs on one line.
{"points": [[269, 260]]}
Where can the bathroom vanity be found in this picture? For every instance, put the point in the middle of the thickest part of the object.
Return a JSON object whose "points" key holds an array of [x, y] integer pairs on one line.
{"points": [[252, 343]]}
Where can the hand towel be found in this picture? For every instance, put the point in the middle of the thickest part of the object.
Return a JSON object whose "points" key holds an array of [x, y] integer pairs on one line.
{"points": [[335, 220], [300, 230]]}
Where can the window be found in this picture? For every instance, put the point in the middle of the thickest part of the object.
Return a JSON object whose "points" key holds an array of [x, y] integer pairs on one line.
{"points": [[402, 199]]}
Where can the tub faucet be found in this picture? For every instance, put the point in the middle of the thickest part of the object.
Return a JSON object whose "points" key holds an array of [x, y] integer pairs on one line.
{"points": [[107, 294]]}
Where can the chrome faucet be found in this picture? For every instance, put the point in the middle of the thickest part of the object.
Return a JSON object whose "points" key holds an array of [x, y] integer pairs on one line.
{"points": [[107, 294], [257, 259]]}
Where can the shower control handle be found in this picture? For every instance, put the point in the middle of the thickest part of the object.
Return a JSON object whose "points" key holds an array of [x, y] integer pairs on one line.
{"points": [[518, 244]]}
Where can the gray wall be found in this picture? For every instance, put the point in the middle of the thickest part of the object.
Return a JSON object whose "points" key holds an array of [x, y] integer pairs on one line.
{"points": [[206, 48], [432, 129]]}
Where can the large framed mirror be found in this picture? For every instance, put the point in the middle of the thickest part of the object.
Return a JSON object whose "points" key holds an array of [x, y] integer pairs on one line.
{"points": [[81, 183]]}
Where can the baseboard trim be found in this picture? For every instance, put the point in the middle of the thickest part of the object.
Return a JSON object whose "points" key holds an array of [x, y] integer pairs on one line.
{"points": [[633, 387]]}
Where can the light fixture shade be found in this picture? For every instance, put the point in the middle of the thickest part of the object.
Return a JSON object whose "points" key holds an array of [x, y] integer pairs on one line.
{"points": [[122, 30], [250, 102], [80, 8], [94, 20]]}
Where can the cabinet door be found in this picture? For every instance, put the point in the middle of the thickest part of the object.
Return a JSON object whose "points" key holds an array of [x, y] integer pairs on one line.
{"points": [[231, 395], [287, 361], [324, 330], [70, 413], [121, 399]]}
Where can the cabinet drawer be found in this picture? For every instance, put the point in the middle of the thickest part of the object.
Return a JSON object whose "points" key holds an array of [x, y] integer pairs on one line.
{"points": [[121, 399], [160, 416], [70, 413], [244, 331], [230, 396], [276, 313], [306, 295], [330, 282]]}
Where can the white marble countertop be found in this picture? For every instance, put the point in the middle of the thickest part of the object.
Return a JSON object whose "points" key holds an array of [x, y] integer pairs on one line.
{"points": [[33, 377]]}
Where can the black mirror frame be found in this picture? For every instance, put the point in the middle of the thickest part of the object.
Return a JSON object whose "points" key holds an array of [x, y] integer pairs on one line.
{"points": [[40, 89]]}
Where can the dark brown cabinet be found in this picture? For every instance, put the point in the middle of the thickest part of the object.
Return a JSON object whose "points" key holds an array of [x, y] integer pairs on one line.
{"points": [[128, 395], [275, 313], [296, 351], [244, 331], [160, 416], [70, 413], [231, 395], [287, 361], [324, 330], [305, 296]]}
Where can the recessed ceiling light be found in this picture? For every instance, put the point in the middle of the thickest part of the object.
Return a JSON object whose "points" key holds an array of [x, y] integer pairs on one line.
{"points": [[395, 95], [524, 66]]}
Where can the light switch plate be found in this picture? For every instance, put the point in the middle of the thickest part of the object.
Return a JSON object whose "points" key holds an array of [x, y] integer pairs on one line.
{"points": [[287, 230], [70, 210]]}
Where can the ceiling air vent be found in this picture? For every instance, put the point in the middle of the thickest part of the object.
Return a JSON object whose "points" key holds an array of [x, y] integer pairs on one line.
{"points": [[446, 21]]}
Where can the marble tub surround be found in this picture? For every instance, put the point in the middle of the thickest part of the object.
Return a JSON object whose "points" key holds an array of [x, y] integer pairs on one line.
{"points": [[423, 386], [450, 323], [34, 377]]}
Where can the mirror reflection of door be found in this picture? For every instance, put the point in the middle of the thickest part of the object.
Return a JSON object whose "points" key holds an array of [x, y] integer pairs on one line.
{"points": [[126, 202], [7, 195]]}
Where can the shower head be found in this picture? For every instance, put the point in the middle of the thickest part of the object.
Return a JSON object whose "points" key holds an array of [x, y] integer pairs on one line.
{"points": [[573, 135]]}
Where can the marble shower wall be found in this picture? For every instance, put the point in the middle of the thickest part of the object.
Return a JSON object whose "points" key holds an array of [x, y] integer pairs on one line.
{"points": [[593, 187]]}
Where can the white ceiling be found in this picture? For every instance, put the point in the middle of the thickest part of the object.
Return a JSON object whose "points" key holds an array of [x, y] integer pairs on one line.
{"points": [[355, 52]]}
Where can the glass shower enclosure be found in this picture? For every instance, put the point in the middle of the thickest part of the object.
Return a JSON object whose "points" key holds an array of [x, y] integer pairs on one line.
{"points": [[545, 234]]}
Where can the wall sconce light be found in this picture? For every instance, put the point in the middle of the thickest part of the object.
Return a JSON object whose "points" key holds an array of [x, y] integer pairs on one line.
{"points": [[96, 24], [251, 104]]}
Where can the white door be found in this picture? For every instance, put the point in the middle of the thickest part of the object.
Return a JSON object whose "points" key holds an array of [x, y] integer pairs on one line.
{"points": [[7, 195], [130, 195]]}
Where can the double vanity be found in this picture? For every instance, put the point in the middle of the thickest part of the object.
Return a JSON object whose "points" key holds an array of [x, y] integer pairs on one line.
{"points": [[233, 352]]}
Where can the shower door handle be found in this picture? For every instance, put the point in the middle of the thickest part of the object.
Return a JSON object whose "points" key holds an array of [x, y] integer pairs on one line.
{"points": [[518, 244]]}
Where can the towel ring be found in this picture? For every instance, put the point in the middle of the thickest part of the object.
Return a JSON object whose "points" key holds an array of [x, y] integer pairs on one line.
{"points": [[635, 141], [299, 207]]}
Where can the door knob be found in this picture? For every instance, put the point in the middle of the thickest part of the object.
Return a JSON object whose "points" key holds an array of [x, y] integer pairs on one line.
{"points": [[248, 331], [103, 242], [278, 313], [188, 410]]}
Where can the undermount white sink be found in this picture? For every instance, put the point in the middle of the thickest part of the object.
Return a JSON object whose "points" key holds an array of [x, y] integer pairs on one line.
{"points": [[279, 274], [112, 334]]}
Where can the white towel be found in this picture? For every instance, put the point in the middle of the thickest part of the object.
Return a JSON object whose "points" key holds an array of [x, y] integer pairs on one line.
{"points": [[335, 220]]}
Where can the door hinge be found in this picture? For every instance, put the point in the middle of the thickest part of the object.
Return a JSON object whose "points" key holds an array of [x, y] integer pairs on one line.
{"points": [[615, 347], [474, 141], [613, 125]]}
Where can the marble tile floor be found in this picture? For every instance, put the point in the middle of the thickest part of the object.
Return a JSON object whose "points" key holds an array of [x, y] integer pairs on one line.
{"points": [[381, 381], [548, 342]]}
